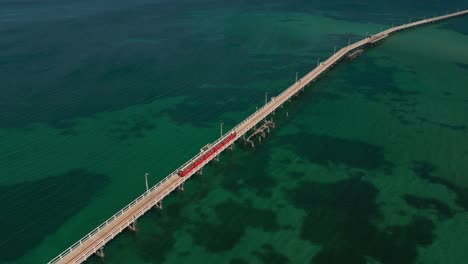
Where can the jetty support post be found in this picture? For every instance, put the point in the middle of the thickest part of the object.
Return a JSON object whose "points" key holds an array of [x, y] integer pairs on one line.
{"points": [[159, 205], [133, 226], [100, 252]]}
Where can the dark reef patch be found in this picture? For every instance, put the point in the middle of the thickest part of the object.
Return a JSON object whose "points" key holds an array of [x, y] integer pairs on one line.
{"points": [[425, 170], [40, 207], [402, 107], [341, 218], [185, 253], [286, 20], [249, 173], [444, 125], [65, 127], [233, 220], [442, 210], [297, 174], [238, 261], [379, 80], [269, 255], [463, 65], [136, 127], [327, 150]]}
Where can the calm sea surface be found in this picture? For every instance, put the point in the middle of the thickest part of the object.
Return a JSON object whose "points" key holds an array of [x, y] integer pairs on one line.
{"points": [[369, 165]]}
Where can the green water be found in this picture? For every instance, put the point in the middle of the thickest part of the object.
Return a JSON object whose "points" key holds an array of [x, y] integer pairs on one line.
{"points": [[368, 165]]}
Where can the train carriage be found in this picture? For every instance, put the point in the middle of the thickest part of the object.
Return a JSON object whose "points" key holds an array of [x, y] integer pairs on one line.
{"points": [[207, 154]]}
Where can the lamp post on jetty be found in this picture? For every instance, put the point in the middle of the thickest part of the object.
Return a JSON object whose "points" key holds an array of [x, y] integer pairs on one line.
{"points": [[221, 129], [146, 180], [266, 96]]}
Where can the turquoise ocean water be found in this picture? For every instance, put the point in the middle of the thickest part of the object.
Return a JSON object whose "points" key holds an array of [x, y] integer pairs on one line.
{"points": [[369, 165]]}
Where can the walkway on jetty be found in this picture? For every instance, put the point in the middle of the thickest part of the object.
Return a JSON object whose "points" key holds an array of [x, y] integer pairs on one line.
{"points": [[94, 242]]}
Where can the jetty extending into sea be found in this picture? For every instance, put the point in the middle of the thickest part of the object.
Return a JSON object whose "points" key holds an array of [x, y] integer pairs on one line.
{"points": [[250, 129]]}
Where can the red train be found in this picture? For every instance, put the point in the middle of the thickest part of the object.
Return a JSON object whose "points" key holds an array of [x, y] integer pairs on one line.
{"points": [[189, 168]]}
